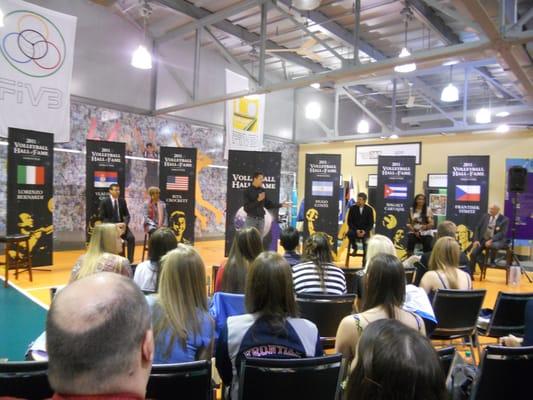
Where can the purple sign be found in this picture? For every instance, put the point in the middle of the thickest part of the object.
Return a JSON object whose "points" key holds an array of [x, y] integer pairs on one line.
{"points": [[524, 209]]}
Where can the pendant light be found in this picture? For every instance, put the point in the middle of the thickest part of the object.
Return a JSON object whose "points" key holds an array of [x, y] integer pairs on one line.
{"points": [[483, 115], [405, 68], [141, 57], [1, 18], [363, 126], [450, 93]]}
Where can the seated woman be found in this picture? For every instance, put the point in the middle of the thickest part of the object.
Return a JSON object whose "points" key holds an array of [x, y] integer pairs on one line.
{"points": [[317, 274], [231, 277], [102, 254], [183, 329], [155, 211], [271, 329], [444, 272], [420, 225], [395, 362], [146, 275], [383, 299]]}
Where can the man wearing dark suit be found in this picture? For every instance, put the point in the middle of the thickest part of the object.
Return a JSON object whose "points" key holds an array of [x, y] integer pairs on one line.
{"points": [[360, 223], [115, 210], [490, 233]]}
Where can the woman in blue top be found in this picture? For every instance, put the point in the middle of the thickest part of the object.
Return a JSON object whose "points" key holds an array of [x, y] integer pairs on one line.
{"points": [[183, 329]]}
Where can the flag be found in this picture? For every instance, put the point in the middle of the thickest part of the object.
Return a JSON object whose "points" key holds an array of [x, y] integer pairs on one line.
{"points": [[394, 191], [30, 175], [322, 188], [104, 179], [178, 183], [468, 193], [351, 190]]}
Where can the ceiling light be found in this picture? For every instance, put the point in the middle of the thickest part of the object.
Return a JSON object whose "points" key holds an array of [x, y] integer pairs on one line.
{"points": [[315, 85], [363, 127], [503, 114], [1, 18], [405, 68], [450, 93], [313, 110], [393, 136], [141, 58], [305, 4], [502, 128], [483, 116], [451, 62]]}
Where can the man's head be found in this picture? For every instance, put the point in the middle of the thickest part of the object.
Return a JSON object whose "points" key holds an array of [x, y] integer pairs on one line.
{"points": [[257, 179], [99, 337], [494, 209], [289, 238], [446, 228], [361, 199], [114, 190]]}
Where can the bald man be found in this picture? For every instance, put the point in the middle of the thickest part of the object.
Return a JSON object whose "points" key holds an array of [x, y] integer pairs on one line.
{"points": [[99, 339], [490, 233]]}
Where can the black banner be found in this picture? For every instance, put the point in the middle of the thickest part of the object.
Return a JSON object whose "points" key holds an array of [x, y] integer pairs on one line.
{"points": [[468, 192], [30, 191], [322, 179], [105, 162], [177, 181], [394, 197], [241, 167]]}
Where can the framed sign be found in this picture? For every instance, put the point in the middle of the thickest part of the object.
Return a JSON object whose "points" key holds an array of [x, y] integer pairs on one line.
{"points": [[372, 180], [368, 154], [437, 180]]}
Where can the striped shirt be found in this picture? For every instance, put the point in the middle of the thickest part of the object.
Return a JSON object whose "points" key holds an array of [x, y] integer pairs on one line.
{"points": [[306, 279]]}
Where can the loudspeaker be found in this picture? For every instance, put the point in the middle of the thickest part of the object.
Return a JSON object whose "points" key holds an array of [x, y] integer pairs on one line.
{"points": [[517, 179]]}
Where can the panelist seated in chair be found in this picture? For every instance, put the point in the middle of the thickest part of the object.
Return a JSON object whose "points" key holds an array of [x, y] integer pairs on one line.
{"points": [[360, 223], [155, 211], [490, 233]]}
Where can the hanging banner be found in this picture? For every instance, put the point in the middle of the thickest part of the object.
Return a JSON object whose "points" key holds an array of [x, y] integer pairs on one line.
{"points": [[468, 194], [177, 182], [30, 191], [36, 58], [105, 162], [241, 168], [322, 191], [245, 116], [394, 197]]}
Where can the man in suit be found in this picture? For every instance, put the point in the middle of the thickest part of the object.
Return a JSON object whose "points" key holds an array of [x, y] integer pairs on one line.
{"points": [[115, 210], [360, 223], [490, 233]]}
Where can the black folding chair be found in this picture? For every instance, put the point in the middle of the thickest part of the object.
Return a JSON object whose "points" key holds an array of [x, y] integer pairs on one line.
{"points": [[410, 273], [190, 380], [504, 373], [326, 311], [420, 270], [27, 380], [351, 279], [446, 356], [508, 315], [288, 379], [457, 312]]}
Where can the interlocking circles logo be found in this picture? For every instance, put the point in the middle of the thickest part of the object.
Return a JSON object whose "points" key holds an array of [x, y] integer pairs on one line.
{"points": [[32, 44]]}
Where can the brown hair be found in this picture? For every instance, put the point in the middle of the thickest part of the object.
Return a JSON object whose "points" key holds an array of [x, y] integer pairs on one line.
{"points": [[446, 228], [318, 251], [445, 258]]}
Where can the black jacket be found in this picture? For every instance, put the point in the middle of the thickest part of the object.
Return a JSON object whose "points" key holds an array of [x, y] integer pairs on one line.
{"points": [[106, 211], [500, 228], [364, 221], [253, 207]]}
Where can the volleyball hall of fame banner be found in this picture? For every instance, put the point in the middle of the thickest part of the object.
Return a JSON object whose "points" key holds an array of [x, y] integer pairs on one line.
{"points": [[105, 165], [30, 192], [321, 203], [394, 197], [241, 167], [177, 182], [468, 194]]}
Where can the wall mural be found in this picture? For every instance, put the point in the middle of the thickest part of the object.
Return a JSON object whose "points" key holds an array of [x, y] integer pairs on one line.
{"points": [[143, 136]]}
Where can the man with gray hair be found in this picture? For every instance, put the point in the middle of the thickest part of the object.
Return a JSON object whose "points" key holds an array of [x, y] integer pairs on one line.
{"points": [[99, 339]]}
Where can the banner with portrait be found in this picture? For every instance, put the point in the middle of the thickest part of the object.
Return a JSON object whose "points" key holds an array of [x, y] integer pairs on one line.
{"points": [[468, 194], [394, 197], [241, 167], [30, 192], [322, 191], [36, 58], [177, 182], [105, 165]]}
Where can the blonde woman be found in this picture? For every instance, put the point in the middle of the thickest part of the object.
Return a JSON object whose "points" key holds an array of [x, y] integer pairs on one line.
{"points": [[183, 329], [102, 254], [444, 272], [378, 244]]}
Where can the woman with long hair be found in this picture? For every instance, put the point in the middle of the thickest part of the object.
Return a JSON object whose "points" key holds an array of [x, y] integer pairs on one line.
{"points": [[383, 298], [102, 254], [444, 272], [147, 273], [271, 329], [420, 225], [155, 211], [317, 274], [247, 245], [395, 362], [183, 329]]}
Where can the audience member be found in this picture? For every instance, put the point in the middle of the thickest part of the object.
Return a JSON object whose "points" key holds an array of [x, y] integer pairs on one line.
{"points": [[445, 229], [420, 225], [383, 297], [317, 274], [183, 329], [395, 362], [99, 339], [147, 273], [102, 254], [271, 329], [289, 240], [155, 211], [527, 340], [247, 245], [444, 272]]}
